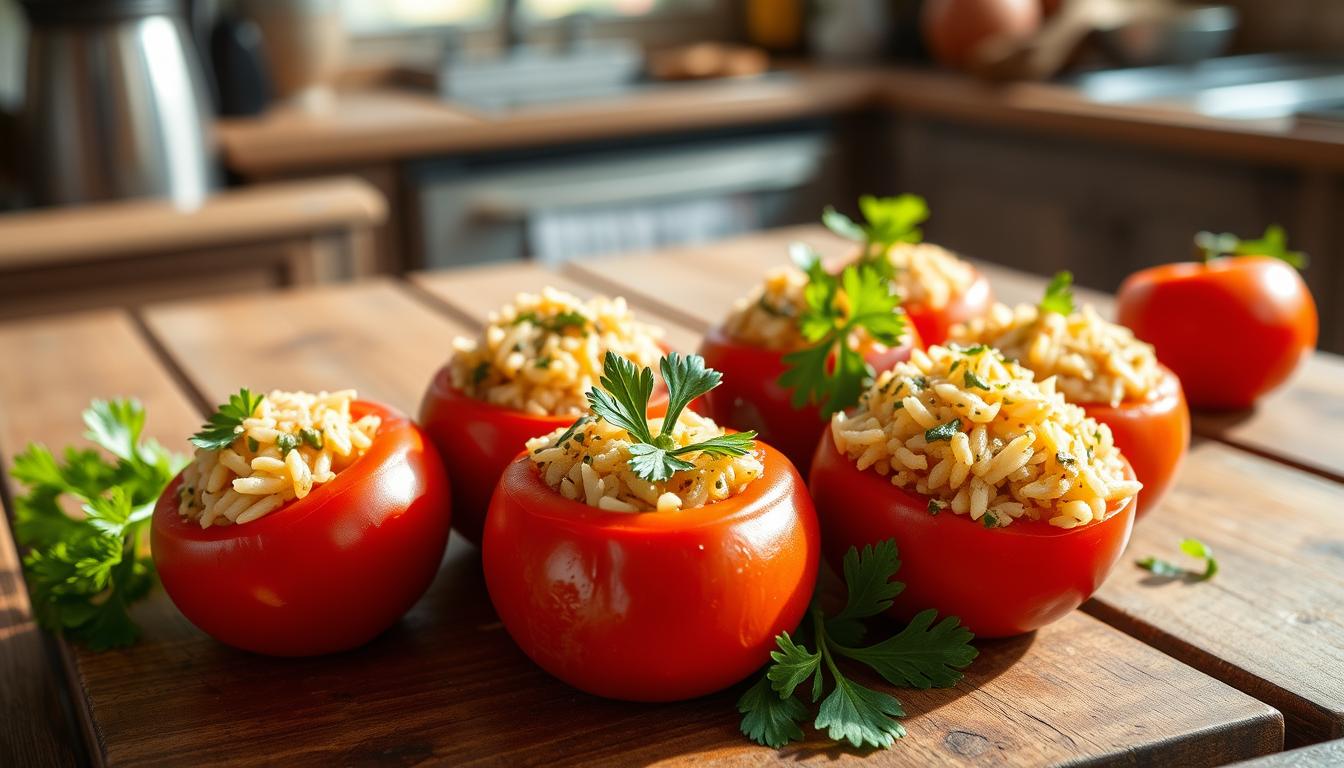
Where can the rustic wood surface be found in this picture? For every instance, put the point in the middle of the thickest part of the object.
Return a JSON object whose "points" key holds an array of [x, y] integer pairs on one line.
{"points": [[1329, 754], [447, 685]]}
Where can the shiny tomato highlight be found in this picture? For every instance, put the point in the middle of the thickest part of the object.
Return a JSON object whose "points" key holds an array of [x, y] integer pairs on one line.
{"points": [[750, 396], [1153, 435], [934, 323], [477, 440], [999, 581], [325, 573], [1232, 329], [651, 606]]}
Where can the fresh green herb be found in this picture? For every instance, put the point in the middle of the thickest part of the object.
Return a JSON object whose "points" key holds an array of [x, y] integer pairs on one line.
{"points": [[890, 220], [1192, 547], [623, 400], [554, 324], [935, 506], [922, 655], [286, 443], [989, 520], [1065, 459], [83, 573], [1273, 243], [252, 444], [830, 373], [1058, 296], [919, 383], [544, 361], [942, 431], [971, 380], [974, 349], [772, 310], [226, 423], [310, 436], [479, 373]]}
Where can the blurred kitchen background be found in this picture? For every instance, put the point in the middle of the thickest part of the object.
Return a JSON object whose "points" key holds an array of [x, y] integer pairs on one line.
{"points": [[157, 149]]}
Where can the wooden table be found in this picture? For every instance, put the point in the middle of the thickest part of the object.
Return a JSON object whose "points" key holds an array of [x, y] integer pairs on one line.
{"points": [[1149, 673]]}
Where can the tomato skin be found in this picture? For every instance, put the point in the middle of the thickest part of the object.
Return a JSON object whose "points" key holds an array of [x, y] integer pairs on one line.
{"points": [[322, 574], [1153, 435], [1000, 582], [750, 396], [651, 606], [477, 440], [935, 323], [1232, 329]]}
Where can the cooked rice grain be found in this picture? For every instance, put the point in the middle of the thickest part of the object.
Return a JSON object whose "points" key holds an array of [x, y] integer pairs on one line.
{"points": [[542, 353], [1011, 449], [253, 476], [592, 466], [928, 274]]}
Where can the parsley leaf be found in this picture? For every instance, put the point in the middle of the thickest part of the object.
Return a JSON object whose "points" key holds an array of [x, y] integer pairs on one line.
{"points": [[830, 373], [84, 573], [1273, 243], [1058, 296], [623, 400], [942, 431], [922, 655], [226, 423], [1192, 547], [969, 379], [889, 220]]}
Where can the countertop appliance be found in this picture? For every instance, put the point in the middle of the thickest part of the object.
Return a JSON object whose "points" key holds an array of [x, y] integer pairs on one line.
{"points": [[115, 104]]}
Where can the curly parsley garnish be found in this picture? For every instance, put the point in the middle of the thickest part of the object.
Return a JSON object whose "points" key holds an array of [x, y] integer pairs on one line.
{"points": [[226, 423], [623, 400], [923, 655], [1192, 547], [830, 373], [1058, 296], [1273, 243], [83, 573]]}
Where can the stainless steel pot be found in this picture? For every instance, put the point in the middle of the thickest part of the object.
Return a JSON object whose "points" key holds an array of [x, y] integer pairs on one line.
{"points": [[115, 104]]}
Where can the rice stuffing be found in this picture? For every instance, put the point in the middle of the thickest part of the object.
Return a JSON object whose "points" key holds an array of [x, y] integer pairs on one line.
{"points": [[1092, 360], [291, 443], [541, 353], [979, 436], [589, 463], [929, 275]]}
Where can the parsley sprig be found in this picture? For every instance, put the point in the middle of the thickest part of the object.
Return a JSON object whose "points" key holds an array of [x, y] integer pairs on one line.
{"points": [[922, 655], [83, 573], [226, 423], [830, 372], [1058, 296], [623, 400], [1273, 243], [888, 220], [1192, 547]]}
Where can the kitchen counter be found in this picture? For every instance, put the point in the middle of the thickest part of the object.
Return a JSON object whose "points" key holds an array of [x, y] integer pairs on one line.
{"points": [[385, 124]]}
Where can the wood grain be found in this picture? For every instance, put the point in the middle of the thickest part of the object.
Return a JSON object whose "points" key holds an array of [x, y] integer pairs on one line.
{"points": [[475, 292], [1329, 754]]}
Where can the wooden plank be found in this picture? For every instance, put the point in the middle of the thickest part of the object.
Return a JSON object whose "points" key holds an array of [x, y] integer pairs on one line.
{"points": [[1329, 754], [1281, 579], [475, 292], [447, 685], [65, 363], [368, 335]]}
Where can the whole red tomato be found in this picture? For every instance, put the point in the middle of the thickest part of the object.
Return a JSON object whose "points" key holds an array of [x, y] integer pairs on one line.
{"points": [[953, 29], [1232, 329], [999, 581], [651, 606], [934, 323], [477, 440], [1152, 434], [325, 573], [750, 396]]}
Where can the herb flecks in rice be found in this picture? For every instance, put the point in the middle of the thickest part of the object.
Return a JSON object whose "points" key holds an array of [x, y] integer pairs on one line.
{"points": [[541, 353], [928, 274], [1015, 450], [1093, 360], [290, 443], [589, 463]]}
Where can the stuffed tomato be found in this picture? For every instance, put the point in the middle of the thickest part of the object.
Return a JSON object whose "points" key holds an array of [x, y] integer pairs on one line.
{"points": [[1101, 366], [305, 524], [1009, 505], [524, 377], [763, 338], [650, 560]]}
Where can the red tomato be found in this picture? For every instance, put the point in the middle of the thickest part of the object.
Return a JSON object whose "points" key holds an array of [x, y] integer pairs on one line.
{"points": [[954, 29], [1152, 434], [1232, 329], [477, 440], [750, 396], [325, 573], [933, 324], [651, 606], [999, 581]]}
